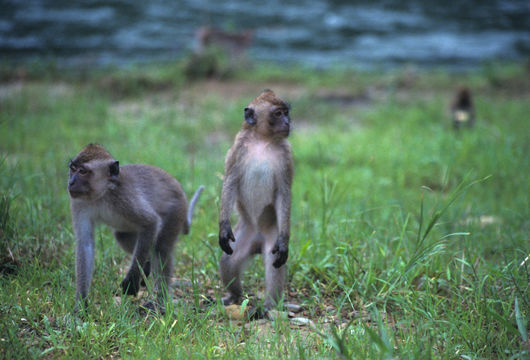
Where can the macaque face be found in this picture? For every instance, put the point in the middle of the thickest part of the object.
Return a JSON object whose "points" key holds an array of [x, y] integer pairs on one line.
{"points": [[279, 121], [79, 180]]}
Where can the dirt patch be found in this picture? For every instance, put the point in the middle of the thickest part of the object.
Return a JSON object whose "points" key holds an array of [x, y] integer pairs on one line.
{"points": [[15, 88], [343, 98]]}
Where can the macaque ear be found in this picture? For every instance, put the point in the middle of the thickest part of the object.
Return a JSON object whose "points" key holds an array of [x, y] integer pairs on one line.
{"points": [[250, 116], [114, 169]]}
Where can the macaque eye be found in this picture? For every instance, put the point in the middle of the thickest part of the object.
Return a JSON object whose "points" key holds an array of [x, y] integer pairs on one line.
{"points": [[83, 171], [278, 113]]}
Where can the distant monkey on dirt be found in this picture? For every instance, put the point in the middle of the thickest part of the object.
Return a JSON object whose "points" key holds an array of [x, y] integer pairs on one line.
{"points": [[258, 179], [236, 43], [462, 109], [145, 206]]}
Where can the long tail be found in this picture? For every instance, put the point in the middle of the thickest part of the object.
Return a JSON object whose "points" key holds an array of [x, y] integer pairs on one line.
{"points": [[192, 206]]}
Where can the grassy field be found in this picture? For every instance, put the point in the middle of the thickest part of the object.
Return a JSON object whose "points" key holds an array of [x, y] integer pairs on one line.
{"points": [[408, 239]]}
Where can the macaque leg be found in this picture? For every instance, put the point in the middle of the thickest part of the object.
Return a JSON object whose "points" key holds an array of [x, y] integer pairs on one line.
{"points": [[141, 256], [163, 261], [231, 266], [274, 277], [126, 240]]}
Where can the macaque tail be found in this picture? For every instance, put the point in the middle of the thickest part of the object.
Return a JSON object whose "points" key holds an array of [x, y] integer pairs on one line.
{"points": [[191, 207]]}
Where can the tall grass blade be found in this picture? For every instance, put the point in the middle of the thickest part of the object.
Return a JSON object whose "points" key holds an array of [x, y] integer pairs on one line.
{"points": [[508, 325], [521, 321]]}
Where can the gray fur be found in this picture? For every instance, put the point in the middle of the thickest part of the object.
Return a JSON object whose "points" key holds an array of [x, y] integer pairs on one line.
{"points": [[144, 205], [258, 178]]}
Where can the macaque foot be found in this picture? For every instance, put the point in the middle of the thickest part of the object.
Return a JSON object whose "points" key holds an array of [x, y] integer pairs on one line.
{"points": [[131, 284], [230, 299]]}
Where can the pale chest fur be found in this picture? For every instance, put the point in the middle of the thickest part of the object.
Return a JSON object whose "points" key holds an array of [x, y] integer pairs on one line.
{"points": [[262, 164]]}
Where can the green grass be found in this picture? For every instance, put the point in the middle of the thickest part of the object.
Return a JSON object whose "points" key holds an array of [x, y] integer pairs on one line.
{"points": [[407, 238]]}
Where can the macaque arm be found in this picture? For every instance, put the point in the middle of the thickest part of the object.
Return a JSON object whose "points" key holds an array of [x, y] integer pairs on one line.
{"points": [[84, 231], [283, 215], [283, 199], [229, 192], [228, 199]]}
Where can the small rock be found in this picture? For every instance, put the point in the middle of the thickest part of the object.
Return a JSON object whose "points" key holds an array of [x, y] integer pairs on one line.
{"points": [[257, 323], [361, 315], [234, 312], [294, 308], [276, 315], [182, 283], [291, 314], [301, 321]]}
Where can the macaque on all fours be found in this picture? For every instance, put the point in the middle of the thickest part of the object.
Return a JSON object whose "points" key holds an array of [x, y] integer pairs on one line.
{"points": [[145, 206]]}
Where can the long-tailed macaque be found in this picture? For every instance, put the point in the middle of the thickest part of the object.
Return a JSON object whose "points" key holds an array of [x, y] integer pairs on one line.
{"points": [[145, 206], [258, 178], [235, 43], [462, 109]]}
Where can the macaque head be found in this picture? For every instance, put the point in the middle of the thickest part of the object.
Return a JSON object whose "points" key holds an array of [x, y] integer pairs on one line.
{"points": [[92, 172], [268, 115]]}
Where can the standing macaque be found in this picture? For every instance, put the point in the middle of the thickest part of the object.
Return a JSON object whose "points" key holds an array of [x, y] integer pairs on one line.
{"points": [[258, 178], [462, 109], [145, 206]]}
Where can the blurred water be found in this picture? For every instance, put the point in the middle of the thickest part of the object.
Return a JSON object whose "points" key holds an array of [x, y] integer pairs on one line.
{"points": [[316, 32]]}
